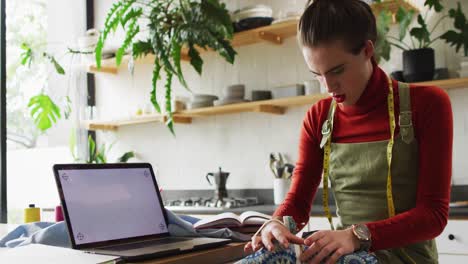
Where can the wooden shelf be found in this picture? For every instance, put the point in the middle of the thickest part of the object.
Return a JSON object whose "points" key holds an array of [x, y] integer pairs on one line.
{"points": [[392, 6], [274, 33], [448, 83], [143, 119], [274, 106]]}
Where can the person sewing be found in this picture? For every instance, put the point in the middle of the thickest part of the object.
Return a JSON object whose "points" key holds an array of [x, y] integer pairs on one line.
{"points": [[385, 148]]}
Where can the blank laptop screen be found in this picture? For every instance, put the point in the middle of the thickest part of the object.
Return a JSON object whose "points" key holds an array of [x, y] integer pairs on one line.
{"points": [[108, 204]]}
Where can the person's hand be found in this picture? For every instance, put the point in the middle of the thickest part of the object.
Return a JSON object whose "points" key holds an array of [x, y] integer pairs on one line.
{"points": [[329, 244], [271, 232]]}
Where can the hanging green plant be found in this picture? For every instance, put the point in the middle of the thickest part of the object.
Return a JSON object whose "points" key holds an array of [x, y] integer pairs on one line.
{"points": [[174, 28], [43, 110]]}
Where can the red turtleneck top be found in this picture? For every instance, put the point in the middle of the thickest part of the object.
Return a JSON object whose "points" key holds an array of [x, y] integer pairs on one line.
{"points": [[366, 121]]}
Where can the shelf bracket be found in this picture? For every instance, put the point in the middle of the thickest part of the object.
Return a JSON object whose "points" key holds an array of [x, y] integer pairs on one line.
{"points": [[185, 56], [103, 69], [271, 109], [270, 37], [106, 127], [180, 119]]}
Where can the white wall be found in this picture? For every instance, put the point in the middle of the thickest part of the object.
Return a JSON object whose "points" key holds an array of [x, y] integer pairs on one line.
{"points": [[240, 143]]}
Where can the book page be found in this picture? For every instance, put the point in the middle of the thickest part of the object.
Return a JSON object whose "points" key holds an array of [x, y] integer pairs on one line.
{"points": [[253, 218], [219, 220]]}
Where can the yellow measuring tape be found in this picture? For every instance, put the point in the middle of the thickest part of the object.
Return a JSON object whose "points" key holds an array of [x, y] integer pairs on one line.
{"points": [[326, 161], [391, 119], [326, 164]]}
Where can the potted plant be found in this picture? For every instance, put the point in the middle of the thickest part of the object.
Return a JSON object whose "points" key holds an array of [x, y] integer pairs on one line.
{"points": [[96, 154], [418, 58], [175, 29], [458, 38]]}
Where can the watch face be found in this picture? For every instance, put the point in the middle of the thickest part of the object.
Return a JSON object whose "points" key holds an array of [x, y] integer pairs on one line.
{"points": [[362, 232]]}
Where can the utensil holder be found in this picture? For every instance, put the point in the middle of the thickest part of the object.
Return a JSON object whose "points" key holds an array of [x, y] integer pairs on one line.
{"points": [[280, 189]]}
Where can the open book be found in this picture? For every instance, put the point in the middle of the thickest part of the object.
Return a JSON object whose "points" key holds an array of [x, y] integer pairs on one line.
{"points": [[231, 220]]}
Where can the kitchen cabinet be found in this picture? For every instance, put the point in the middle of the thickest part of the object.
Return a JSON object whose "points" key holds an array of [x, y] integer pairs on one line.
{"points": [[452, 244]]}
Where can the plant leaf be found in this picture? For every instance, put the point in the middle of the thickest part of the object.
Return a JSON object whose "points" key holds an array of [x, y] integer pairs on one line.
{"points": [[454, 39], [227, 51], [43, 111], [457, 39], [459, 18], [91, 150], [26, 55], [133, 14], [404, 19], [141, 49], [72, 144], [421, 33], [126, 156], [67, 111], [195, 59], [176, 50], [110, 24], [58, 68], [217, 12], [169, 122], [133, 29], [382, 46], [153, 97], [434, 4]]}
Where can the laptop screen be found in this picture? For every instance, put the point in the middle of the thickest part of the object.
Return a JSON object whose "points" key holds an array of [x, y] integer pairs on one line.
{"points": [[111, 203]]}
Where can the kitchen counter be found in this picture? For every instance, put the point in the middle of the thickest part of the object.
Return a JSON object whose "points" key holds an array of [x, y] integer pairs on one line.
{"points": [[458, 193], [317, 210]]}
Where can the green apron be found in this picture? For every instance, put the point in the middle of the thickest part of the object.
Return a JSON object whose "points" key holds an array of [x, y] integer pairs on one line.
{"points": [[358, 177]]}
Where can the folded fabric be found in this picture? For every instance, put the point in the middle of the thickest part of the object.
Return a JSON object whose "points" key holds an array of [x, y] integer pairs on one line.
{"points": [[290, 255], [56, 234]]}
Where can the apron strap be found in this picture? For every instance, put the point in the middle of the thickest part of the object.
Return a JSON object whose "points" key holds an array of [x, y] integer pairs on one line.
{"points": [[327, 126], [404, 120]]}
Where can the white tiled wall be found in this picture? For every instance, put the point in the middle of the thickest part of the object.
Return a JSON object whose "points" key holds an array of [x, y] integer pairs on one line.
{"points": [[240, 143]]}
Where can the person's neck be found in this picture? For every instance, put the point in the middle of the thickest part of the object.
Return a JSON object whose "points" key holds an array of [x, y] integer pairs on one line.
{"points": [[367, 76], [373, 93]]}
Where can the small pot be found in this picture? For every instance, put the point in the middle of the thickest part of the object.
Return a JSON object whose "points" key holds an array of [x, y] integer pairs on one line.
{"points": [[418, 65]]}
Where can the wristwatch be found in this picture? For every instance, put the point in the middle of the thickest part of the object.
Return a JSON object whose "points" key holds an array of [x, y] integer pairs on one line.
{"points": [[363, 234]]}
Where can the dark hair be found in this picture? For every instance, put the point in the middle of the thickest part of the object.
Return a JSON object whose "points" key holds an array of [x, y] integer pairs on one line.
{"points": [[350, 21]]}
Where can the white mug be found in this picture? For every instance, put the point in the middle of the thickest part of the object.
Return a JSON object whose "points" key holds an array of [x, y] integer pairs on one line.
{"points": [[280, 189]]}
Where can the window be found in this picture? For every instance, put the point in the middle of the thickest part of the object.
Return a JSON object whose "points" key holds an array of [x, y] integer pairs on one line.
{"points": [[44, 27]]}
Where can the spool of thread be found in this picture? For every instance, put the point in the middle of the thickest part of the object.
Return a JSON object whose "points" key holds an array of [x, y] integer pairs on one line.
{"points": [[58, 213], [32, 214]]}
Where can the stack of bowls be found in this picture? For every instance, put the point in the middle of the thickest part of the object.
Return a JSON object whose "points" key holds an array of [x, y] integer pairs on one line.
{"points": [[232, 94], [259, 95], [201, 100], [252, 17]]}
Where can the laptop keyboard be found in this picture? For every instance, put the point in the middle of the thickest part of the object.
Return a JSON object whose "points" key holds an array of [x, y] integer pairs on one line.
{"points": [[149, 243]]}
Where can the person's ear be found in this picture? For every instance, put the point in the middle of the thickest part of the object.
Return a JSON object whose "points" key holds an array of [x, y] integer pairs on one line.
{"points": [[369, 49]]}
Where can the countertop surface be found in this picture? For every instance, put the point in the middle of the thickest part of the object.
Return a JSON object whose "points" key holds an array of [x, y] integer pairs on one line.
{"points": [[317, 210], [458, 193]]}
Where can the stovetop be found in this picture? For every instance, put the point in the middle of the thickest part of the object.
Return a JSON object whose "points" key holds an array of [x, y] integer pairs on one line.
{"points": [[204, 203]]}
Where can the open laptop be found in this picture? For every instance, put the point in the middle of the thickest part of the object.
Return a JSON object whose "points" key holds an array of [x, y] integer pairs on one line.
{"points": [[116, 209]]}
